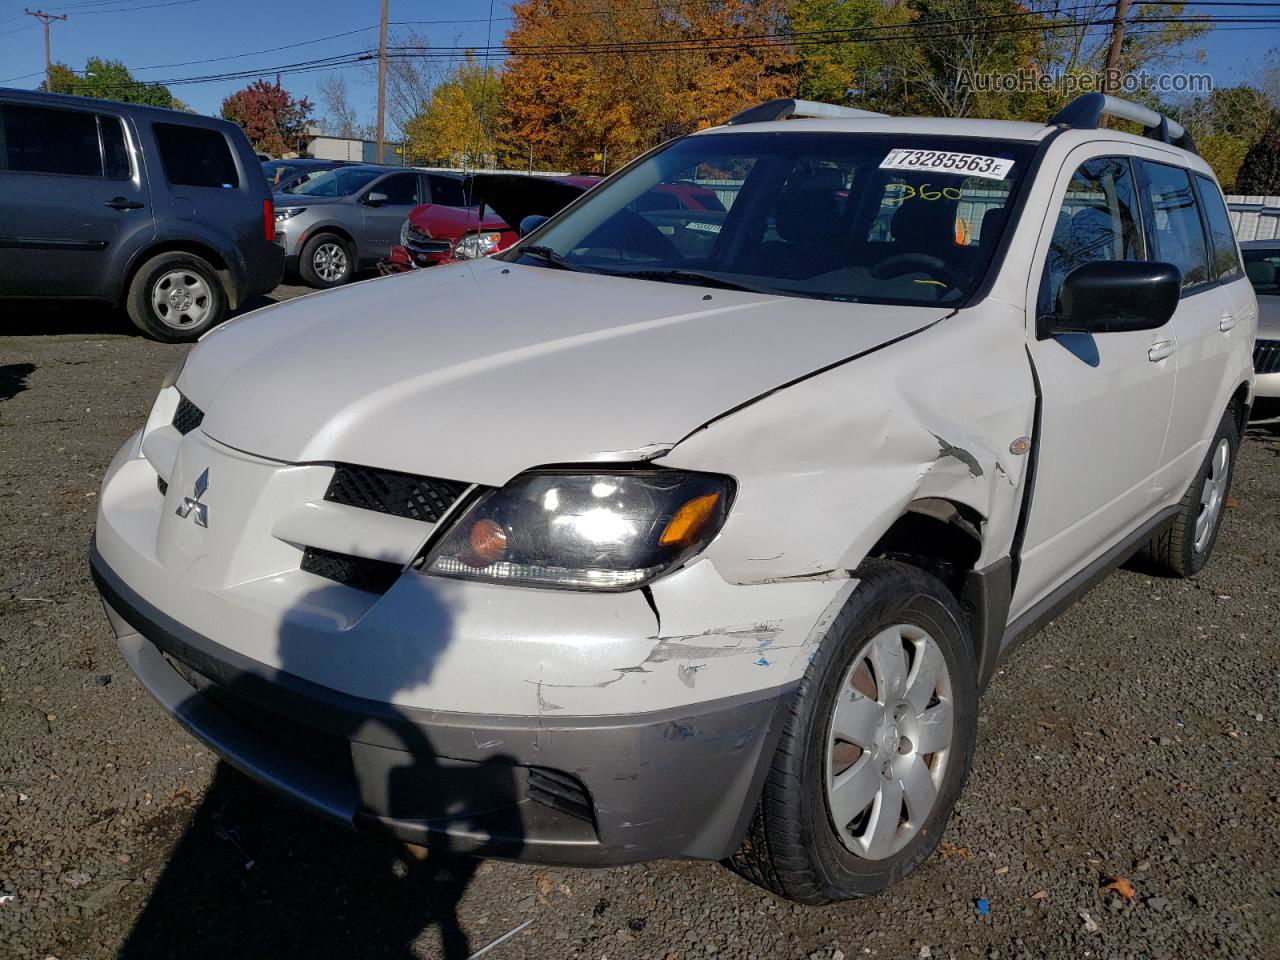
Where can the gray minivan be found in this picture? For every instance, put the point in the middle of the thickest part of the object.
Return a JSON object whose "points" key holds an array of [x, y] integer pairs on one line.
{"points": [[162, 212]]}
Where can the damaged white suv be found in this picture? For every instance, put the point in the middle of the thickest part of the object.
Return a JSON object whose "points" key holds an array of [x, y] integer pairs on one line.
{"points": [[693, 525]]}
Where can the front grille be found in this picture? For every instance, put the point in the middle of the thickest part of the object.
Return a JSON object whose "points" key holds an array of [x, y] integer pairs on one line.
{"points": [[376, 576], [1266, 356], [187, 417], [561, 792], [399, 494]]}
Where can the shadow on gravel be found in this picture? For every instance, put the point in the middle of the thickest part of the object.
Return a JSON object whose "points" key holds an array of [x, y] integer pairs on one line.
{"points": [[255, 876], [13, 379]]}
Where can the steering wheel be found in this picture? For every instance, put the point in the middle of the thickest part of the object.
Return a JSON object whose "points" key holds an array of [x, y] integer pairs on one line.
{"points": [[901, 263]]}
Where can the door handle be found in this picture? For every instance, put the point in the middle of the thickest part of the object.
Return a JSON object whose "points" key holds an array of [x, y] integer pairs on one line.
{"points": [[1226, 323], [1160, 350], [120, 203]]}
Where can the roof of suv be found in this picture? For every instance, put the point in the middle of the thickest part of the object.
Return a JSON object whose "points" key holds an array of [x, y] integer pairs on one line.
{"points": [[162, 114], [940, 127]]}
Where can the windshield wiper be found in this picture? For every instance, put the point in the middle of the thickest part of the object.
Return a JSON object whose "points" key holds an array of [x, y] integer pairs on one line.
{"points": [[548, 256], [691, 277]]}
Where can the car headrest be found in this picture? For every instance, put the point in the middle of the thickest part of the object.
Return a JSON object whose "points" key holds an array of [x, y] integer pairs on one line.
{"points": [[923, 225], [1261, 273], [809, 215], [992, 224]]}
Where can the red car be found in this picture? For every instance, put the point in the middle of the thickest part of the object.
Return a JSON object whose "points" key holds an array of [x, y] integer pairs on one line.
{"points": [[435, 234]]}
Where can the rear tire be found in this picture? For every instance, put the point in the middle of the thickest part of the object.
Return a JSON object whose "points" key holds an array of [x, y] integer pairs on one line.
{"points": [[855, 682], [326, 261], [1185, 546], [176, 297]]}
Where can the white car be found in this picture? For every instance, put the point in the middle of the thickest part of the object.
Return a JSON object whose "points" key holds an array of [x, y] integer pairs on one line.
{"points": [[1262, 264], [681, 533]]}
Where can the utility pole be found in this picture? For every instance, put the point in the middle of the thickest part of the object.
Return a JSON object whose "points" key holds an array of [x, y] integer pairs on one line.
{"points": [[1111, 78], [48, 60], [382, 80]]}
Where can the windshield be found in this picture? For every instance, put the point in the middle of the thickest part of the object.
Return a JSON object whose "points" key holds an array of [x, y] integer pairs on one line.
{"points": [[1262, 266], [858, 217], [340, 182], [278, 170]]}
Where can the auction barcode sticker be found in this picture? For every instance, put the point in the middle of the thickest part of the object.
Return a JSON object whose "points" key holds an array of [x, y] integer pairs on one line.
{"points": [[947, 161]]}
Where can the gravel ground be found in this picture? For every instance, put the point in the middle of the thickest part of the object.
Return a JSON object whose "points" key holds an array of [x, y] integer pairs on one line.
{"points": [[1136, 737]]}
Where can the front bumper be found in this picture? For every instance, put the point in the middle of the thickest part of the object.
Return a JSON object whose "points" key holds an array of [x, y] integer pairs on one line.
{"points": [[589, 791]]}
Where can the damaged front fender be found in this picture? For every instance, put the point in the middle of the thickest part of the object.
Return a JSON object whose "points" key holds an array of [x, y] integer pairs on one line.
{"points": [[827, 465]]}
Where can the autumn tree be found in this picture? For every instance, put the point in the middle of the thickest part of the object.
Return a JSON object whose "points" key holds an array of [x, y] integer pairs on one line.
{"points": [[107, 80], [591, 83], [272, 119], [458, 126]]}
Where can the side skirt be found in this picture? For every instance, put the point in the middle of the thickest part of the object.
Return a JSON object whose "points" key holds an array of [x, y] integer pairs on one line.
{"points": [[1080, 584]]}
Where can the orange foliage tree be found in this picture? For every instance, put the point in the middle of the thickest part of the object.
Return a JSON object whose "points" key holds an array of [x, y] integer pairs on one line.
{"points": [[589, 84]]}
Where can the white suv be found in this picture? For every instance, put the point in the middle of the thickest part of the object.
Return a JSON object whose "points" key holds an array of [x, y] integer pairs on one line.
{"points": [[693, 529]]}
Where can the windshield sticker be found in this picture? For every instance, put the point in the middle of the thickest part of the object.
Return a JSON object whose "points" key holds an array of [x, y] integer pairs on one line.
{"points": [[947, 161]]}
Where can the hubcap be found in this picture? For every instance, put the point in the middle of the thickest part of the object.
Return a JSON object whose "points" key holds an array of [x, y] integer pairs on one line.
{"points": [[889, 741], [1213, 495], [330, 262], [181, 299]]}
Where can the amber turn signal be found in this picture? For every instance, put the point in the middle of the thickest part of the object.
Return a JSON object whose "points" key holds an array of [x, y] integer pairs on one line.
{"points": [[683, 528], [488, 542]]}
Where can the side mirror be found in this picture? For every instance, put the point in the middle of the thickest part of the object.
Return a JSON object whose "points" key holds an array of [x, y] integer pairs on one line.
{"points": [[1114, 296], [375, 199], [531, 223]]}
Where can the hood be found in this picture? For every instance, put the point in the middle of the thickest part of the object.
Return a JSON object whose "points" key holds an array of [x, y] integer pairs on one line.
{"points": [[514, 196], [477, 371], [435, 220]]}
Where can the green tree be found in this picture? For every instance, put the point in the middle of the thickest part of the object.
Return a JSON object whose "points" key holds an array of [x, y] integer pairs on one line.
{"points": [[1225, 124], [1260, 170], [458, 126], [108, 80]]}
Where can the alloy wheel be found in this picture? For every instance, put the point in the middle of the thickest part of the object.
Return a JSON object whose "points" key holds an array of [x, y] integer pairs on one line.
{"points": [[330, 262]]}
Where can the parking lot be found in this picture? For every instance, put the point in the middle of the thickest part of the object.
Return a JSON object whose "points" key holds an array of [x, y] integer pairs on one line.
{"points": [[1133, 740]]}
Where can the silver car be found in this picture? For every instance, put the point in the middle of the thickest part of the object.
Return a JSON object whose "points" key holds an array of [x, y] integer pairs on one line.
{"points": [[1262, 264], [346, 219]]}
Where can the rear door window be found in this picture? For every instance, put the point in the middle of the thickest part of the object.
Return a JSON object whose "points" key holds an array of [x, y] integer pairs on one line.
{"points": [[1174, 229], [401, 189], [196, 156], [446, 191], [43, 140], [1222, 239]]}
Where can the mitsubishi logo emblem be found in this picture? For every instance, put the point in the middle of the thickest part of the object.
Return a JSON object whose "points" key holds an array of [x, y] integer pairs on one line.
{"points": [[192, 505]]}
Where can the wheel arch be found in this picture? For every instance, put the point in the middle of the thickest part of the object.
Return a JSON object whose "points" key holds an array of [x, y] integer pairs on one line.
{"points": [[184, 245], [334, 228]]}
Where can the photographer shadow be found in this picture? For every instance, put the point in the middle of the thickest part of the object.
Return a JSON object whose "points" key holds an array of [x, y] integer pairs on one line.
{"points": [[255, 876]]}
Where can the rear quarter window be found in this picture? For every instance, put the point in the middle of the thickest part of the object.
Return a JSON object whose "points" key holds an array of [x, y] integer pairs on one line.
{"points": [[1222, 240], [196, 156]]}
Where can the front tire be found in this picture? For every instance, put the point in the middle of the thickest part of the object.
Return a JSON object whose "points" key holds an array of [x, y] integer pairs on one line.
{"points": [[176, 297], [876, 748], [326, 261], [1185, 546]]}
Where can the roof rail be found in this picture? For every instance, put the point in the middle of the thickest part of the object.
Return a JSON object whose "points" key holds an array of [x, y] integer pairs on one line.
{"points": [[1086, 111], [788, 108]]}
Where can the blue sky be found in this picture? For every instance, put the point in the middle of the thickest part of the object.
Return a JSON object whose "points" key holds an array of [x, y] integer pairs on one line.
{"points": [[158, 39]]}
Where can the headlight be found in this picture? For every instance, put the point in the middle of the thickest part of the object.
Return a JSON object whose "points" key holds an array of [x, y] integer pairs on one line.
{"points": [[476, 245], [592, 531], [175, 371], [287, 213]]}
